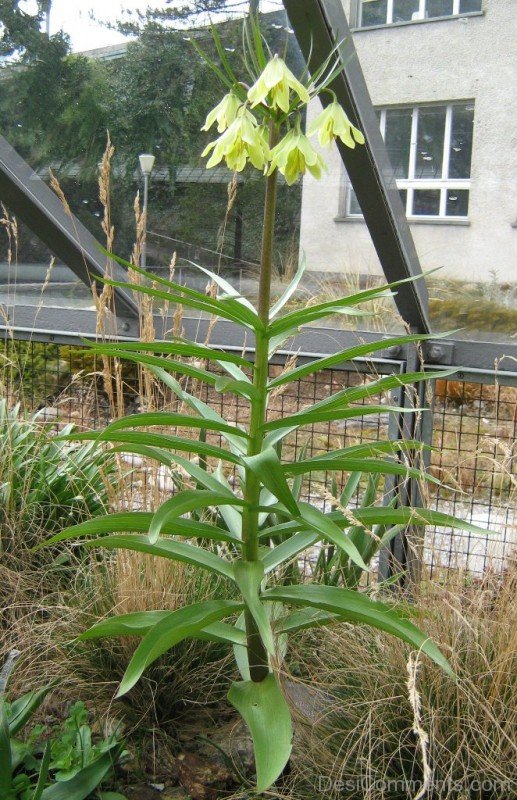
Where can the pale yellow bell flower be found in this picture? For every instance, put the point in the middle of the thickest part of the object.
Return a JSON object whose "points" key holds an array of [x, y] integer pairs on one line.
{"points": [[244, 140], [224, 113], [334, 124], [276, 82], [294, 155]]}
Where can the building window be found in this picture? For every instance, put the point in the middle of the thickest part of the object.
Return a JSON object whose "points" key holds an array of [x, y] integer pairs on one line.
{"points": [[430, 149], [388, 12]]}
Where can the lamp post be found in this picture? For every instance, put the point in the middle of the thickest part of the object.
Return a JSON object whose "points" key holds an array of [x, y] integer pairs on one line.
{"points": [[146, 165]]}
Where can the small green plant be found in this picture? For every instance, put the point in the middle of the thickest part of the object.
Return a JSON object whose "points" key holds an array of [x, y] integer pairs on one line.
{"points": [[64, 764], [252, 531], [45, 483]]}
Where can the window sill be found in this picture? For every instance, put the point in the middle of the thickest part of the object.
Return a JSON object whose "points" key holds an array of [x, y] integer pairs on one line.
{"points": [[418, 22], [455, 222]]}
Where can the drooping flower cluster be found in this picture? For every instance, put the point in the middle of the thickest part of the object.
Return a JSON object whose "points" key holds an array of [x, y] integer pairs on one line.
{"points": [[279, 96]]}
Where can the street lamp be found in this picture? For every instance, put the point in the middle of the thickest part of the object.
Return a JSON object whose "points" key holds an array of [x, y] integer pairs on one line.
{"points": [[146, 165]]}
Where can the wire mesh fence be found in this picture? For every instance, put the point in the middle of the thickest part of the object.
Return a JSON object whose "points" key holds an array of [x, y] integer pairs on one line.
{"points": [[473, 436]]}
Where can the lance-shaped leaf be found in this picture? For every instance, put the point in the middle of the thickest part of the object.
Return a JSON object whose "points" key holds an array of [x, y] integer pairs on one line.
{"points": [[289, 291], [289, 549], [203, 409], [223, 284], [158, 440], [171, 630], [180, 367], [415, 516], [355, 607], [173, 420], [140, 622], [176, 347], [140, 522], [266, 713], [22, 709], [227, 308], [367, 449], [242, 388], [87, 779], [166, 548], [248, 577], [355, 394], [348, 355], [314, 415], [305, 618], [186, 502], [268, 469], [381, 466], [318, 521]]}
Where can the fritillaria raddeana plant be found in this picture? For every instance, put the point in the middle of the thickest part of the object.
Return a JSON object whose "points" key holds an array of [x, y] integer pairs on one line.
{"points": [[250, 531]]}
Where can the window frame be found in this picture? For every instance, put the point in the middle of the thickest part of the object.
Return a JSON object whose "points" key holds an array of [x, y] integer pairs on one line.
{"points": [[410, 185], [357, 10]]}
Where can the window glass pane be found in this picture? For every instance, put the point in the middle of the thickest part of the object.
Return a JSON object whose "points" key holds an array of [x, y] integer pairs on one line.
{"points": [[403, 197], [426, 202], [373, 12], [439, 8], [467, 6], [461, 141], [398, 139], [403, 10], [457, 203], [355, 208], [431, 132]]}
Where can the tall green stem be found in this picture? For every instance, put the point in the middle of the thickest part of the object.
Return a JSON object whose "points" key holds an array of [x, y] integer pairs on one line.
{"points": [[257, 654]]}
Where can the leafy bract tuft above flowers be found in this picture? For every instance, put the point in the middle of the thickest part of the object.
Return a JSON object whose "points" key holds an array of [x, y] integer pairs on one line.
{"points": [[261, 124]]}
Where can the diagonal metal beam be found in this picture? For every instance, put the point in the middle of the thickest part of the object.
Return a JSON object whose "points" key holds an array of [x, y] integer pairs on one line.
{"points": [[318, 26], [30, 199]]}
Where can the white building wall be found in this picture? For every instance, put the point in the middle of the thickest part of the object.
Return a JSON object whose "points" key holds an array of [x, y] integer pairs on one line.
{"points": [[435, 61]]}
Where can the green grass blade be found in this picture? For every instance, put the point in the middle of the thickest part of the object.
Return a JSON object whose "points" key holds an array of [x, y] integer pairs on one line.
{"points": [[171, 630], [266, 713]]}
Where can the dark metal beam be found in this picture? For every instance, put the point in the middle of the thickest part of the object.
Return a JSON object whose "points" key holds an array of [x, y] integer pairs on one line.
{"points": [[30, 199], [476, 361], [319, 25]]}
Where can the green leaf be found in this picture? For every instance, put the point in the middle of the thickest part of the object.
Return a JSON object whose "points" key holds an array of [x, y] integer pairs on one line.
{"points": [[159, 440], [248, 577], [203, 409], [314, 415], [166, 418], [43, 773], [139, 522], [416, 516], [182, 348], [86, 780], [353, 606], [268, 469], [159, 362], [241, 388], [140, 622], [186, 502], [266, 713], [166, 548], [178, 625], [22, 709], [381, 466], [6, 766], [331, 532], [305, 618], [289, 549], [221, 282], [135, 624], [289, 291], [348, 355]]}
